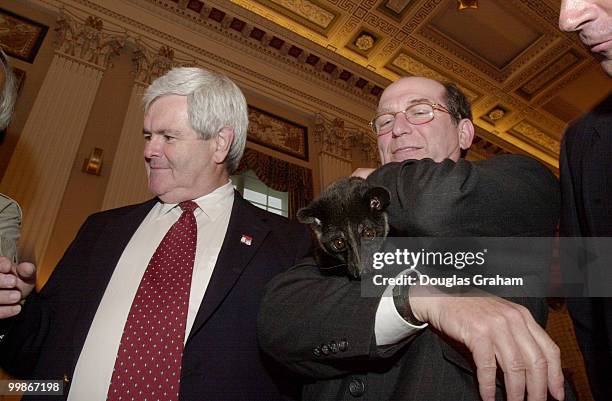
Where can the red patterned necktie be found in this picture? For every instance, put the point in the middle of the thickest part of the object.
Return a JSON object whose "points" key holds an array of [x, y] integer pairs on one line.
{"points": [[148, 364]]}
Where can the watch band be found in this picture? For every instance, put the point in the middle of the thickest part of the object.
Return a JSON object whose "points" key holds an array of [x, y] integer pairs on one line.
{"points": [[402, 304]]}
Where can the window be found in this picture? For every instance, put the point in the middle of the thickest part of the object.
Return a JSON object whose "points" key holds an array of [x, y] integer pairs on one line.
{"points": [[255, 191]]}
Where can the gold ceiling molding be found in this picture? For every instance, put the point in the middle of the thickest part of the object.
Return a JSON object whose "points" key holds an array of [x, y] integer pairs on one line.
{"points": [[463, 73], [404, 64], [487, 67], [391, 47], [358, 88], [536, 137], [280, 19], [345, 5], [381, 24], [557, 68], [396, 9], [309, 12], [421, 15], [364, 42], [520, 50]]}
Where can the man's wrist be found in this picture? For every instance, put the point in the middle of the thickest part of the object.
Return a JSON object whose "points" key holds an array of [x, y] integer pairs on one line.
{"points": [[401, 299]]}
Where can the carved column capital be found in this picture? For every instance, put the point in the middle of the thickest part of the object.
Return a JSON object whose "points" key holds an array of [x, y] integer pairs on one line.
{"points": [[86, 40], [150, 62], [367, 144], [333, 136]]}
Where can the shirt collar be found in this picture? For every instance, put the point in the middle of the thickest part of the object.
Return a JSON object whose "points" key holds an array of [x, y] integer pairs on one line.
{"points": [[211, 204]]}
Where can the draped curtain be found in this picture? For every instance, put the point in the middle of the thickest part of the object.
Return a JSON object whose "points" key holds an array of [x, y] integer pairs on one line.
{"points": [[280, 176]]}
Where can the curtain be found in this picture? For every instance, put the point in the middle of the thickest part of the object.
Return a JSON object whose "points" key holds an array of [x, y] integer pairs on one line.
{"points": [[280, 176]]}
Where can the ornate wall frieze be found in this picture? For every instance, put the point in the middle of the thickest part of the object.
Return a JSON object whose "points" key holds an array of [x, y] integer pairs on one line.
{"points": [[86, 40], [339, 139], [333, 136]]}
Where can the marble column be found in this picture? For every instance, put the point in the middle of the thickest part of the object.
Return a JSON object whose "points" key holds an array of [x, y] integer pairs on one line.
{"points": [[39, 169]]}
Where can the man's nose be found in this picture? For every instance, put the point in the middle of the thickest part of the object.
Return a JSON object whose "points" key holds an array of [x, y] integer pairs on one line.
{"points": [[401, 125], [152, 147], [574, 13]]}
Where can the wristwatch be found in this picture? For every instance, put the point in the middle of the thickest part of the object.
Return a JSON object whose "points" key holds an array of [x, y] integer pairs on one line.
{"points": [[402, 303]]}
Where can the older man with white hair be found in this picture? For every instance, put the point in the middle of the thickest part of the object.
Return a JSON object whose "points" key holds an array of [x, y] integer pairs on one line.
{"points": [[158, 301]]}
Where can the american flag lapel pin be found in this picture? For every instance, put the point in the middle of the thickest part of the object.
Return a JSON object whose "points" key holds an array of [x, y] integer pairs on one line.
{"points": [[246, 239]]}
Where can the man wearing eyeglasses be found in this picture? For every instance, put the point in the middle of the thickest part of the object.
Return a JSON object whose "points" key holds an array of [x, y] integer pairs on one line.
{"points": [[411, 346]]}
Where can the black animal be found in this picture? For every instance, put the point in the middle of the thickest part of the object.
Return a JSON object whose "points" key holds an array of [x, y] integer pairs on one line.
{"points": [[349, 221]]}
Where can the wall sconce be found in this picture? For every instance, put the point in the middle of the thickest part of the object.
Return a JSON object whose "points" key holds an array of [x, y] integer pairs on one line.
{"points": [[93, 164], [465, 4]]}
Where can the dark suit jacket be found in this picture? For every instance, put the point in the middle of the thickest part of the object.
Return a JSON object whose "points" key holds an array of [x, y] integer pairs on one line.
{"points": [[586, 184], [221, 360], [332, 340]]}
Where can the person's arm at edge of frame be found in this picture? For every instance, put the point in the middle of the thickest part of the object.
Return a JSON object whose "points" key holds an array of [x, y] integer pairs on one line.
{"points": [[24, 332]]}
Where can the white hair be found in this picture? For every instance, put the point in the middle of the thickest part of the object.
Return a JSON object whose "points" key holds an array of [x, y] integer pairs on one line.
{"points": [[213, 102], [9, 93]]}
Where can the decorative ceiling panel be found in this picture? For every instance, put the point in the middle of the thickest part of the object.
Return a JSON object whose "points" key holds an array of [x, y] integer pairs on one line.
{"points": [[310, 13], [468, 29], [508, 55], [549, 74], [405, 65], [396, 9], [536, 137]]}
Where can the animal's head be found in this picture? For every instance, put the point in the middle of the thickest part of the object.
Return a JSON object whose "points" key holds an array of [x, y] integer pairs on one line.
{"points": [[349, 215]]}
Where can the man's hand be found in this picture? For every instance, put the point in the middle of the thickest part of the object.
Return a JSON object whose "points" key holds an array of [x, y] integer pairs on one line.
{"points": [[496, 331], [362, 172], [16, 283]]}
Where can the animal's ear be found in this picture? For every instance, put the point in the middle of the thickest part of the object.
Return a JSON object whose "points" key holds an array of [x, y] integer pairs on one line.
{"points": [[377, 198], [309, 215]]}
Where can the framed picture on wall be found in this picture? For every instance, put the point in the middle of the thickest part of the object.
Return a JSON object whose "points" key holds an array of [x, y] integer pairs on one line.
{"points": [[278, 133], [20, 36]]}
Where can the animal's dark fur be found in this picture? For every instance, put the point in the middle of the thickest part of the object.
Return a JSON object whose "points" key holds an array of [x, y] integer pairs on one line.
{"points": [[349, 214]]}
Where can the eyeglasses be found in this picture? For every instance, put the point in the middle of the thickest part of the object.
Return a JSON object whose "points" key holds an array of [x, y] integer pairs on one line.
{"points": [[416, 114]]}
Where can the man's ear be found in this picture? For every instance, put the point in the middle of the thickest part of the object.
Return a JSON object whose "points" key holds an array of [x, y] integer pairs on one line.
{"points": [[466, 133], [223, 143], [310, 215]]}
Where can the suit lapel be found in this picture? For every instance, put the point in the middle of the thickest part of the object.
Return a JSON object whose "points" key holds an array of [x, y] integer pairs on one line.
{"points": [[107, 250], [233, 257]]}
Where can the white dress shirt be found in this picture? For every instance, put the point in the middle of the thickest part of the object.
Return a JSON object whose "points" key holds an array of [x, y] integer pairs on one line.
{"points": [[95, 365], [389, 326]]}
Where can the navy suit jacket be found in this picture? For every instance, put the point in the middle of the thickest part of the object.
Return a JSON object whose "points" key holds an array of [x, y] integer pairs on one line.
{"points": [[221, 359]]}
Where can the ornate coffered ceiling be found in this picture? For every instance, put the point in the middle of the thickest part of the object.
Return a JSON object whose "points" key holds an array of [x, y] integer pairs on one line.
{"points": [[526, 79]]}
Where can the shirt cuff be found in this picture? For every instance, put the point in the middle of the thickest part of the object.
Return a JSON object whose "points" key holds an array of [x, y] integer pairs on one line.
{"points": [[390, 327]]}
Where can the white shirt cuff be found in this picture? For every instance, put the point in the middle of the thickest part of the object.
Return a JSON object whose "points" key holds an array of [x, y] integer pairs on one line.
{"points": [[389, 326]]}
